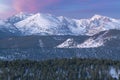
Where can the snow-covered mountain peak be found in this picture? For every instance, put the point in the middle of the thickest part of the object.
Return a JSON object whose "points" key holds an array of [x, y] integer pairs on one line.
{"points": [[51, 24], [18, 17], [96, 16], [40, 19], [21, 14], [39, 23], [62, 18], [47, 17], [99, 17], [36, 15]]}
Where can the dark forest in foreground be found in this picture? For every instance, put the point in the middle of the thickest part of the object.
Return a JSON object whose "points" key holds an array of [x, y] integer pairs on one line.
{"points": [[60, 69]]}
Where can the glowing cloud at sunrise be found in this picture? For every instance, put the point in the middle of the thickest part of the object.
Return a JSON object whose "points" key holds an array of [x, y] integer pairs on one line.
{"points": [[32, 5], [68, 8], [3, 8]]}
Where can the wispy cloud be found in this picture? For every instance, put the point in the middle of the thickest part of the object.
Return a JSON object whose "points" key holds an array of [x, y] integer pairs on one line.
{"points": [[69, 8], [32, 5], [4, 8]]}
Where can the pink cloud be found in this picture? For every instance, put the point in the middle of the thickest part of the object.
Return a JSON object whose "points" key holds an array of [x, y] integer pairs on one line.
{"points": [[5, 15], [32, 5]]}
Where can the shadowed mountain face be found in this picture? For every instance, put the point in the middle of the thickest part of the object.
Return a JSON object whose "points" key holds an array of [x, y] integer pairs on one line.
{"points": [[8, 29], [110, 38], [107, 38], [5, 34], [37, 41], [47, 47]]}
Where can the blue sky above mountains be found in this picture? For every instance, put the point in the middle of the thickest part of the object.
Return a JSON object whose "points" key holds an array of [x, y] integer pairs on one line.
{"points": [[68, 8]]}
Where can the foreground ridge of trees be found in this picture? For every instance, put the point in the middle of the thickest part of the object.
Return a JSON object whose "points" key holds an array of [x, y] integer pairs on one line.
{"points": [[58, 69]]}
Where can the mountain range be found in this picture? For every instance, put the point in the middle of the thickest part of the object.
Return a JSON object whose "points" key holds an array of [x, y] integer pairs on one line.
{"points": [[45, 36], [46, 24], [28, 28]]}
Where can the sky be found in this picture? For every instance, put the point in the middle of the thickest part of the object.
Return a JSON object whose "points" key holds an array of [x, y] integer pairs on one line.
{"points": [[69, 8]]}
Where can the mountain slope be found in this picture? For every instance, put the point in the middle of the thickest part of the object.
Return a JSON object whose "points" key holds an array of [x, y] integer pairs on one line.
{"points": [[7, 29], [18, 17], [109, 38], [37, 41], [42, 24]]}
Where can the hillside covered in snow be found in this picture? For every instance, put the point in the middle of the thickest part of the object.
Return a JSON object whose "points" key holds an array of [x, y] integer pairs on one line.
{"points": [[47, 24]]}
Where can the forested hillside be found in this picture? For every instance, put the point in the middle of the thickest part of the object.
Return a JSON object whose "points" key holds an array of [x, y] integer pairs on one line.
{"points": [[60, 69]]}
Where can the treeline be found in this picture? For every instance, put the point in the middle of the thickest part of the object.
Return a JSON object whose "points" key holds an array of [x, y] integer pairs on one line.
{"points": [[60, 69], [52, 53]]}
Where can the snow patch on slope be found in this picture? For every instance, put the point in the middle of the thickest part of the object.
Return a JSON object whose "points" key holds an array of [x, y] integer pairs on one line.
{"points": [[69, 43], [91, 43]]}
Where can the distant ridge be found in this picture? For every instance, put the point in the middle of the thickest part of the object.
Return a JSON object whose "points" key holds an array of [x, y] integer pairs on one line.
{"points": [[46, 24]]}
